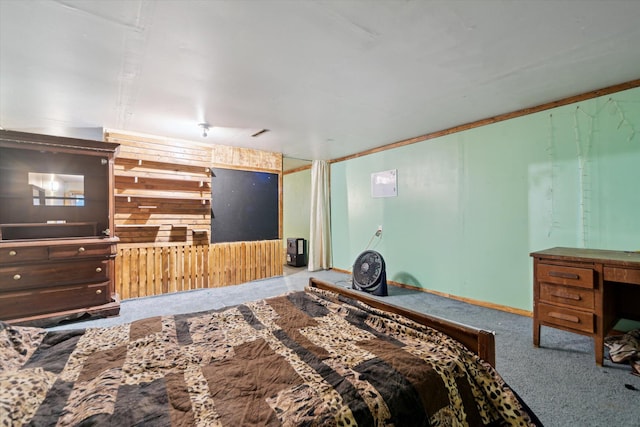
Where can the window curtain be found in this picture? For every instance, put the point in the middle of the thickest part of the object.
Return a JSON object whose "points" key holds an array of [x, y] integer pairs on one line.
{"points": [[320, 223]]}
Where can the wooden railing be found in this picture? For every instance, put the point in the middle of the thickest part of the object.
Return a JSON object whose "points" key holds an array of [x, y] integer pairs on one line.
{"points": [[155, 269]]}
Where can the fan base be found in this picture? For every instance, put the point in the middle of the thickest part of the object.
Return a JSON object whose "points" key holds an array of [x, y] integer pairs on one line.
{"points": [[379, 290]]}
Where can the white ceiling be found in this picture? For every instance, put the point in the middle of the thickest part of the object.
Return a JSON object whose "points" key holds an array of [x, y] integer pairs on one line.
{"points": [[326, 78]]}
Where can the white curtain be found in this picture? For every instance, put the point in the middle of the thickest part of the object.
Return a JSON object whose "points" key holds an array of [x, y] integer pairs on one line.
{"points": [[320, 224]]}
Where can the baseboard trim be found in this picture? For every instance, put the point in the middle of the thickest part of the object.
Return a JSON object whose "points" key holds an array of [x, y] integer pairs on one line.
{"points": [[479, 303]]}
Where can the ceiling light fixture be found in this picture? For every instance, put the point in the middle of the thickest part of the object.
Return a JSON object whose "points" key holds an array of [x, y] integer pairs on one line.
{"points": [[205, 129]]}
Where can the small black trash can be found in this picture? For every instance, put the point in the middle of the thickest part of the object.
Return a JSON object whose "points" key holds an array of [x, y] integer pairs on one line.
{"points": [[296, 251]]}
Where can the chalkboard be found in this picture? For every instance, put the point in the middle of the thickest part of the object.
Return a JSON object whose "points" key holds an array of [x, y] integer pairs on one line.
{"points": [[244, 205]]}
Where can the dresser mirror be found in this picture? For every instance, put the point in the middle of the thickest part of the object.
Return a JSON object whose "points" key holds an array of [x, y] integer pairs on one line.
{"points": [[52, 189]]}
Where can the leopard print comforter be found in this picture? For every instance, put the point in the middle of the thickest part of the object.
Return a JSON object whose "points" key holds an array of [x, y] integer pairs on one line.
{"points": [[305, 358]]}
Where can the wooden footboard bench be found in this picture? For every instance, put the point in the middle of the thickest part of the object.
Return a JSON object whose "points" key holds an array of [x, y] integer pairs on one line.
{"points": [[480, 341]]}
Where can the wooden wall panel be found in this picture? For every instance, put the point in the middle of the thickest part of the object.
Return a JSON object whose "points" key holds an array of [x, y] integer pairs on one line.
{"points": [[155, 270], [162, 190], [246, 158], [161, 150], [163, 217], [163, 186]]}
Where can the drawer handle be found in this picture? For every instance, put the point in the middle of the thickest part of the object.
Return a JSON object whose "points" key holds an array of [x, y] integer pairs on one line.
{"points": [[562, 316], [99, 270], [13, 253], [99, 291], [564, 275], [567, 296], [17, 277], [81, 249]]}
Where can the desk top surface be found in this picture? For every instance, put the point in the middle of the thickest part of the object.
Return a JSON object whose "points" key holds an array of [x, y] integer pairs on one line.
{"points": [[625, 258]]}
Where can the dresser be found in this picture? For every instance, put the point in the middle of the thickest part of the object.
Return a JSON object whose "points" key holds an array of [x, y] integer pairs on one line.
{"points": [[53, 280], [585, 291], [57, 248]]}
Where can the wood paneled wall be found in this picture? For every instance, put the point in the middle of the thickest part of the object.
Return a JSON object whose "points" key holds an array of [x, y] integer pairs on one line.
{"points": [[155, 270], [245, 158], [162, 190], [163, 186], [163, 217]]}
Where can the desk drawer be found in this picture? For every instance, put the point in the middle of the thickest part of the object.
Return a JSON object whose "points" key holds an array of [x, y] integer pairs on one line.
{"points": [[566, 317], [622, 275], [567, 295], [565, 275]]}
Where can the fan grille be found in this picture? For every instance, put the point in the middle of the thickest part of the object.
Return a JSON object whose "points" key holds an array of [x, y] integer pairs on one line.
{"points": [[368, 268]]}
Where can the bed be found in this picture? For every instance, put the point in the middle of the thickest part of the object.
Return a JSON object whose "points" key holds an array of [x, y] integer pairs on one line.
{"points": [[325, 356]]}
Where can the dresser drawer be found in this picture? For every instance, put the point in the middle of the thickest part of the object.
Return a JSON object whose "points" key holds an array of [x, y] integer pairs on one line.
{"points": [[79, 251], [566, 317], [53, 273], [567, 295], [565, 275], [20, 304], [19, 254]]}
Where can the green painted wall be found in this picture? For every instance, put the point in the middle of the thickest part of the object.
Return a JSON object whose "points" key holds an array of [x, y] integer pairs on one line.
{"points": [[296, 204], [471, 206]]}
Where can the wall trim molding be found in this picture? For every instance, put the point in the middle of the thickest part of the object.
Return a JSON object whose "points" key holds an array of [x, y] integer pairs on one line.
{"points": [[472, 301], [495, 119], [298, 169]]}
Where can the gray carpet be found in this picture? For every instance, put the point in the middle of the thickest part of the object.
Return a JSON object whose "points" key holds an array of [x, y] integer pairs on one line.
{"points": [[559, 381]]}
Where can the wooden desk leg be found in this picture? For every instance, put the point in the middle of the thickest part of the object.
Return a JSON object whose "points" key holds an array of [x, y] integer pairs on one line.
{"points": [[599, 349], [536, 333]]}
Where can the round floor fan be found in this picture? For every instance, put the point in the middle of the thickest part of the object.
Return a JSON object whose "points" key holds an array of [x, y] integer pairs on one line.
{"points": [[369, 273]]}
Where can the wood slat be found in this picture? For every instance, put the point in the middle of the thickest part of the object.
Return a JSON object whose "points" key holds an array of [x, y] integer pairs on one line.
{"points": [[158, 158], [246, 157], [157, 150], [160, 219], [161, 197], [153, 207], [161, 146], [135, 167], [136, 183]]}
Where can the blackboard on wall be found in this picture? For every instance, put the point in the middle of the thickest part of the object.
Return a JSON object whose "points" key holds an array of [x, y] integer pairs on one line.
{"points": [[244, 205]]}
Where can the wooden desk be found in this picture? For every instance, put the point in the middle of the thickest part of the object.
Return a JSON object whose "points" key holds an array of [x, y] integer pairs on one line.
{"points": [[585, 291]]}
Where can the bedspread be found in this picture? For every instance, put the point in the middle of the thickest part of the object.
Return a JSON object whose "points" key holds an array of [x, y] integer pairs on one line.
{"points": [[303, 358]]}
